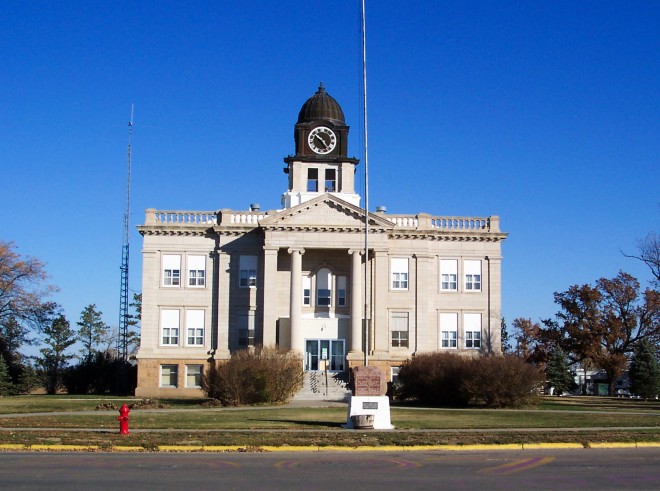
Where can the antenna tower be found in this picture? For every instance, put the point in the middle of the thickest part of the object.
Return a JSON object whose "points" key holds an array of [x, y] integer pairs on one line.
{"points": [[122, 338]]}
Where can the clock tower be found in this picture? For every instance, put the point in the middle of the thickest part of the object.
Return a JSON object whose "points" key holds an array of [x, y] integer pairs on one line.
{"points": [[320, 164]]}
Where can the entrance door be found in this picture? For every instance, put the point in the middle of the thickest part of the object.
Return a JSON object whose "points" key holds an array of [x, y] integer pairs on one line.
{"points": [[330, 350], [312, 354], [338, 355]]}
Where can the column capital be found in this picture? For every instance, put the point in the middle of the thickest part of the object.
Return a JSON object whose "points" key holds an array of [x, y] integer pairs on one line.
{"points": [[271, 249], [358, 251], [424, 256], [301, 250]]}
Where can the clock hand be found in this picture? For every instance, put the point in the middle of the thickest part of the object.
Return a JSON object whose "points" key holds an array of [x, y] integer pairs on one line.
{"points": [[325, 145]]}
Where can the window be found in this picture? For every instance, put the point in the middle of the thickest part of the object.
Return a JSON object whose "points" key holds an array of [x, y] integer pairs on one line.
{"points": [[248, 271], [312, 180], [169, 375], [169, 322], [171, 270], [399, 273], [196, 270], [194, 376], [307, 290], [472, 328], [399, 328], [449, 275], [246, 328], [394, 375], [323, 288], [330, 180], [195, 327], [473, 339], [472, 276], [341, 291], [448, 330]]}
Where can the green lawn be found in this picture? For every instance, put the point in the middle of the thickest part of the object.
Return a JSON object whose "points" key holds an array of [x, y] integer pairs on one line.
{"points": [[187, 422]]}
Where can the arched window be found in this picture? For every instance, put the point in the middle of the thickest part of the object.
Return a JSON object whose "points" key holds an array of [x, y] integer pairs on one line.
{"points": [[323, 287]]}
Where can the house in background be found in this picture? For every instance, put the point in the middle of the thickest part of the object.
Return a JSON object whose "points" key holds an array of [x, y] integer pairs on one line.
{"points": [[219, 281]]}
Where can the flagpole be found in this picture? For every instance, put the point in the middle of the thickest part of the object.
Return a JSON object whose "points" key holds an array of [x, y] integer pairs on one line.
{"points": [[366, 187]]}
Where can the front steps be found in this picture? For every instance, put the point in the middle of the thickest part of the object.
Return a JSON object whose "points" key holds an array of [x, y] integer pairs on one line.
{"points": [[324, 386]]}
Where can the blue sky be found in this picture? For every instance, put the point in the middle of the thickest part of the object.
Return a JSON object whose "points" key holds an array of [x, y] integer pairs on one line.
{"points": [[544, 113]]}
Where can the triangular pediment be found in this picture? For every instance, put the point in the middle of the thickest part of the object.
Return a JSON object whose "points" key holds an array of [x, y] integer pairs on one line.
{"points": [[325, 211]]}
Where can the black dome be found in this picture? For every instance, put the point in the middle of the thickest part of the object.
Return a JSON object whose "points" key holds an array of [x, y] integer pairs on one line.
{"points": [[321, 106]]}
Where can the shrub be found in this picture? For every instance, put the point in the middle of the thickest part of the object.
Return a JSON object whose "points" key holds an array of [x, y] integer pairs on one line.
{"points": [[433, 379], [100, 374], [447, 379], [265, 375], [501, 381]]}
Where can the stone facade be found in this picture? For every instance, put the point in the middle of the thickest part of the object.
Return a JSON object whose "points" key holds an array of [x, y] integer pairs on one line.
{"points": [[218, 281]]}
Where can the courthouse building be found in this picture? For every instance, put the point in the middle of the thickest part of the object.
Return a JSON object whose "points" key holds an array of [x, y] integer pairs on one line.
{"points": [[219, 281]]}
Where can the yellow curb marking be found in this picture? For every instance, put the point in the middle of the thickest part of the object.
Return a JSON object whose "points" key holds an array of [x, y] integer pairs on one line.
{"points": [[540, 446], [613, 445], [180, 448], [334, 448], [12, 446], [289, 448], [223, 448], [76, 448]]}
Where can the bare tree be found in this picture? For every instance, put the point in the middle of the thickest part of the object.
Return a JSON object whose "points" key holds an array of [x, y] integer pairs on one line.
{"points": [[649, 253]]}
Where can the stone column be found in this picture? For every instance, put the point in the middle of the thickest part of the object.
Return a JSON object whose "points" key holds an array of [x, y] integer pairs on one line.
{"points": [[295, 302], [422, 331], [356, 303], [381, 289], [491, 283], [270, 296], [222, 288]]}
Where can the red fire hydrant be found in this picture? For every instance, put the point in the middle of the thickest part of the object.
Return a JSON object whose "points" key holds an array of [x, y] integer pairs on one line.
{"points": [[123, 419]]}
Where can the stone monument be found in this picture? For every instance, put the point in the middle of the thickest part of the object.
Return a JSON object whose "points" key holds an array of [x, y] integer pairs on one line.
{"points": [[369, 407]]}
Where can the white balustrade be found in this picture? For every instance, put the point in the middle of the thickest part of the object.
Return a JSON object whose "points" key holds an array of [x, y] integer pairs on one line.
{"points": [[180, 217], [442, 223]]}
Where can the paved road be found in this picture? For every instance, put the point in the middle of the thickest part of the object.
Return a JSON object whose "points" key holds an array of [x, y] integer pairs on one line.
{"points": [[637, 469]]}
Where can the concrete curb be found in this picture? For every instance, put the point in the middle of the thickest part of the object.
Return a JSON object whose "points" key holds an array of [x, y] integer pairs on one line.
{"points": [[314, 448]]}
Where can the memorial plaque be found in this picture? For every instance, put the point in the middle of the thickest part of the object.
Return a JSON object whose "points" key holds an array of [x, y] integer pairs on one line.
{"points": [[369, 405], [369, 381]]}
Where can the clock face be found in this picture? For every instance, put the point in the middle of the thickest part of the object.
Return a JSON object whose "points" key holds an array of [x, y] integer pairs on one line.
{"points": [[322, 140]]}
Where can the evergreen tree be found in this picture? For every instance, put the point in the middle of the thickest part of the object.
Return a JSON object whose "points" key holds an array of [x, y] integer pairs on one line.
{"points": [[506, 344], [557, 372], [6, 385], [58, 336], [12, 337], [133, 334], [28, 380], [91, 331], [644, 371]]}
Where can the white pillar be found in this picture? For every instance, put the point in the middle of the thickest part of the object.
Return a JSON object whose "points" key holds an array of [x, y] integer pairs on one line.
{"points": [[356, 302], [270, 299], [295, 301]]}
